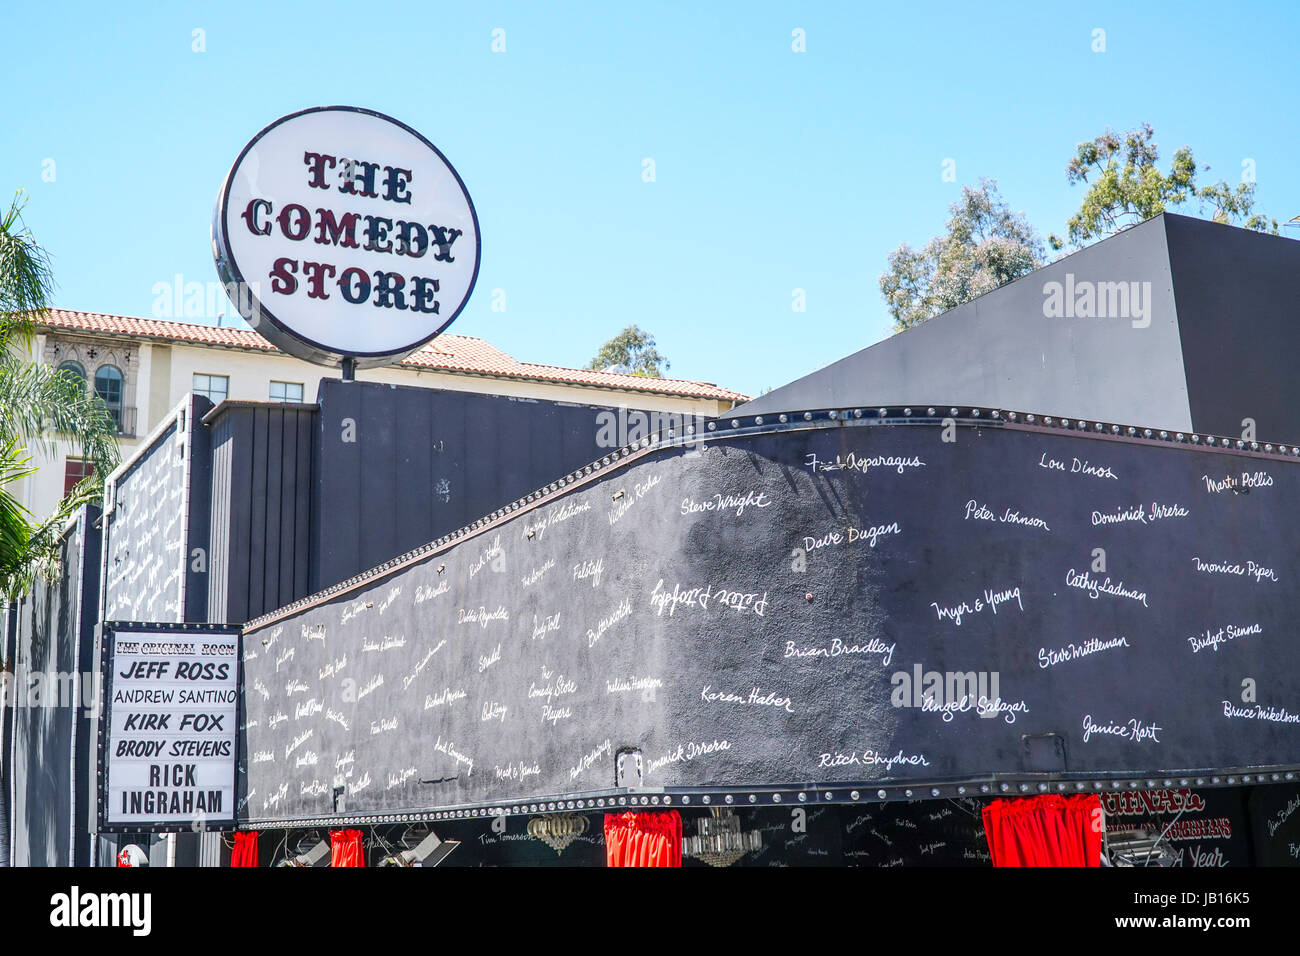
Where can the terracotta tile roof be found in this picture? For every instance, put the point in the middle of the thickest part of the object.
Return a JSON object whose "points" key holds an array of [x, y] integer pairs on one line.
{"points": [[448, 352]]}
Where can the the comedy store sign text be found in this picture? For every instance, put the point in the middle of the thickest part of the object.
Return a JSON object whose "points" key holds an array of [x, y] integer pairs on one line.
{"points": [[343, 233]]}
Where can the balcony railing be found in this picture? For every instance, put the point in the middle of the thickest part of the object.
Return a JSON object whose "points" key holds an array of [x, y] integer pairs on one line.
{"points": [[124, 418]]}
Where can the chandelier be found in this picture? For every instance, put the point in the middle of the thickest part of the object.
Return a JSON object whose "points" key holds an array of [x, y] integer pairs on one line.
{"points": [[557, 830], [718, 839]]}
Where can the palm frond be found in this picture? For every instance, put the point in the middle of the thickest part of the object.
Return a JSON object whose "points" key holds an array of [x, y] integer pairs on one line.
{"points": [[39, 403], [15, 520], [26, 278]]}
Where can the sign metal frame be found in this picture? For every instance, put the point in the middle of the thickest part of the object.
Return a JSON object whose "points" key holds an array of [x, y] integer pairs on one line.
{"points": [[108, 631], [277, 330]]}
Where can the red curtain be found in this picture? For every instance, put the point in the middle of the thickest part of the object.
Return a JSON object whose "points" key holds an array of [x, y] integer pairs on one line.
{"points": [[245, 851], [648, 838], [1045, 831], [345, 848]]}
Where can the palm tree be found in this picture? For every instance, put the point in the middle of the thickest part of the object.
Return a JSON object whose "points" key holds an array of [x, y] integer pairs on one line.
{"points": [[38, 405]]}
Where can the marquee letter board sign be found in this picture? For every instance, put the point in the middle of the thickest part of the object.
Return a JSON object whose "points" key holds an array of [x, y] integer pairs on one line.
{"points": [[168, 726]]}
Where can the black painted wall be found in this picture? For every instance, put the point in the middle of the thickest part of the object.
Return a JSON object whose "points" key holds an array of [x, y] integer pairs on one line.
{"points": [[56, 626], [514, 663], [261, 507], [306, 496], [1238, 297], [1219, 346], [398, 466]]}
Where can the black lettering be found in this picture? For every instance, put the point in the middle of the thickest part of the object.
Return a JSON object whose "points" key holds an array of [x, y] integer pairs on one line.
{"points": [[354, 285], [388, 290], [377, 234], [294, 221], [329, 230]]}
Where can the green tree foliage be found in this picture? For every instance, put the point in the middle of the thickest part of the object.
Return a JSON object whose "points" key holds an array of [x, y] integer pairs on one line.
{"points": [[631, 352], [1126, 187], [38, 405], [1236, 206], [984, 246]]}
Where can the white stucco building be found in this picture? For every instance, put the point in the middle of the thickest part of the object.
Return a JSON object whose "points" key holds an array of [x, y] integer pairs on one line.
{"points": [[142, 367]]}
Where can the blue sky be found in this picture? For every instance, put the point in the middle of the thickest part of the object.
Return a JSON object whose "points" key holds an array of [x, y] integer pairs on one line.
{"points": [[774, 170]]}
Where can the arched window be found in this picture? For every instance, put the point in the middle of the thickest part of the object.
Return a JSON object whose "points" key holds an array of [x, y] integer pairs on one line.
{"points": [[76, 369], [108, 386]]}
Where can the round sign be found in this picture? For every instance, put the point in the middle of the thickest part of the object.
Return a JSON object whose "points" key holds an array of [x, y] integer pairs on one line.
{"points": [[342, 233]]}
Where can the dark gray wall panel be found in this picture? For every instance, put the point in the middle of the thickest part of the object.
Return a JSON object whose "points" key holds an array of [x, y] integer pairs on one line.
{"points": [[261, 493], [426, 461], [52, 727], [84, 818], [493, 670], [1238, 296], [1000, 351]]}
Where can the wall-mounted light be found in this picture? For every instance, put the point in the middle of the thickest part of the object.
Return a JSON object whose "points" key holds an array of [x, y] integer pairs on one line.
{"points": [[430, 851], [310, 853]]}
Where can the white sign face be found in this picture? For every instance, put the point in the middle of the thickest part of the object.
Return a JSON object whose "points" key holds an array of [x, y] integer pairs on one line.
{"points": [[169, 728], [341, 232]]}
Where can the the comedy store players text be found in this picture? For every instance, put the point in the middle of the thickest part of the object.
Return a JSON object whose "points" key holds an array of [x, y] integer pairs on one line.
{"points": [[326, 229]]}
